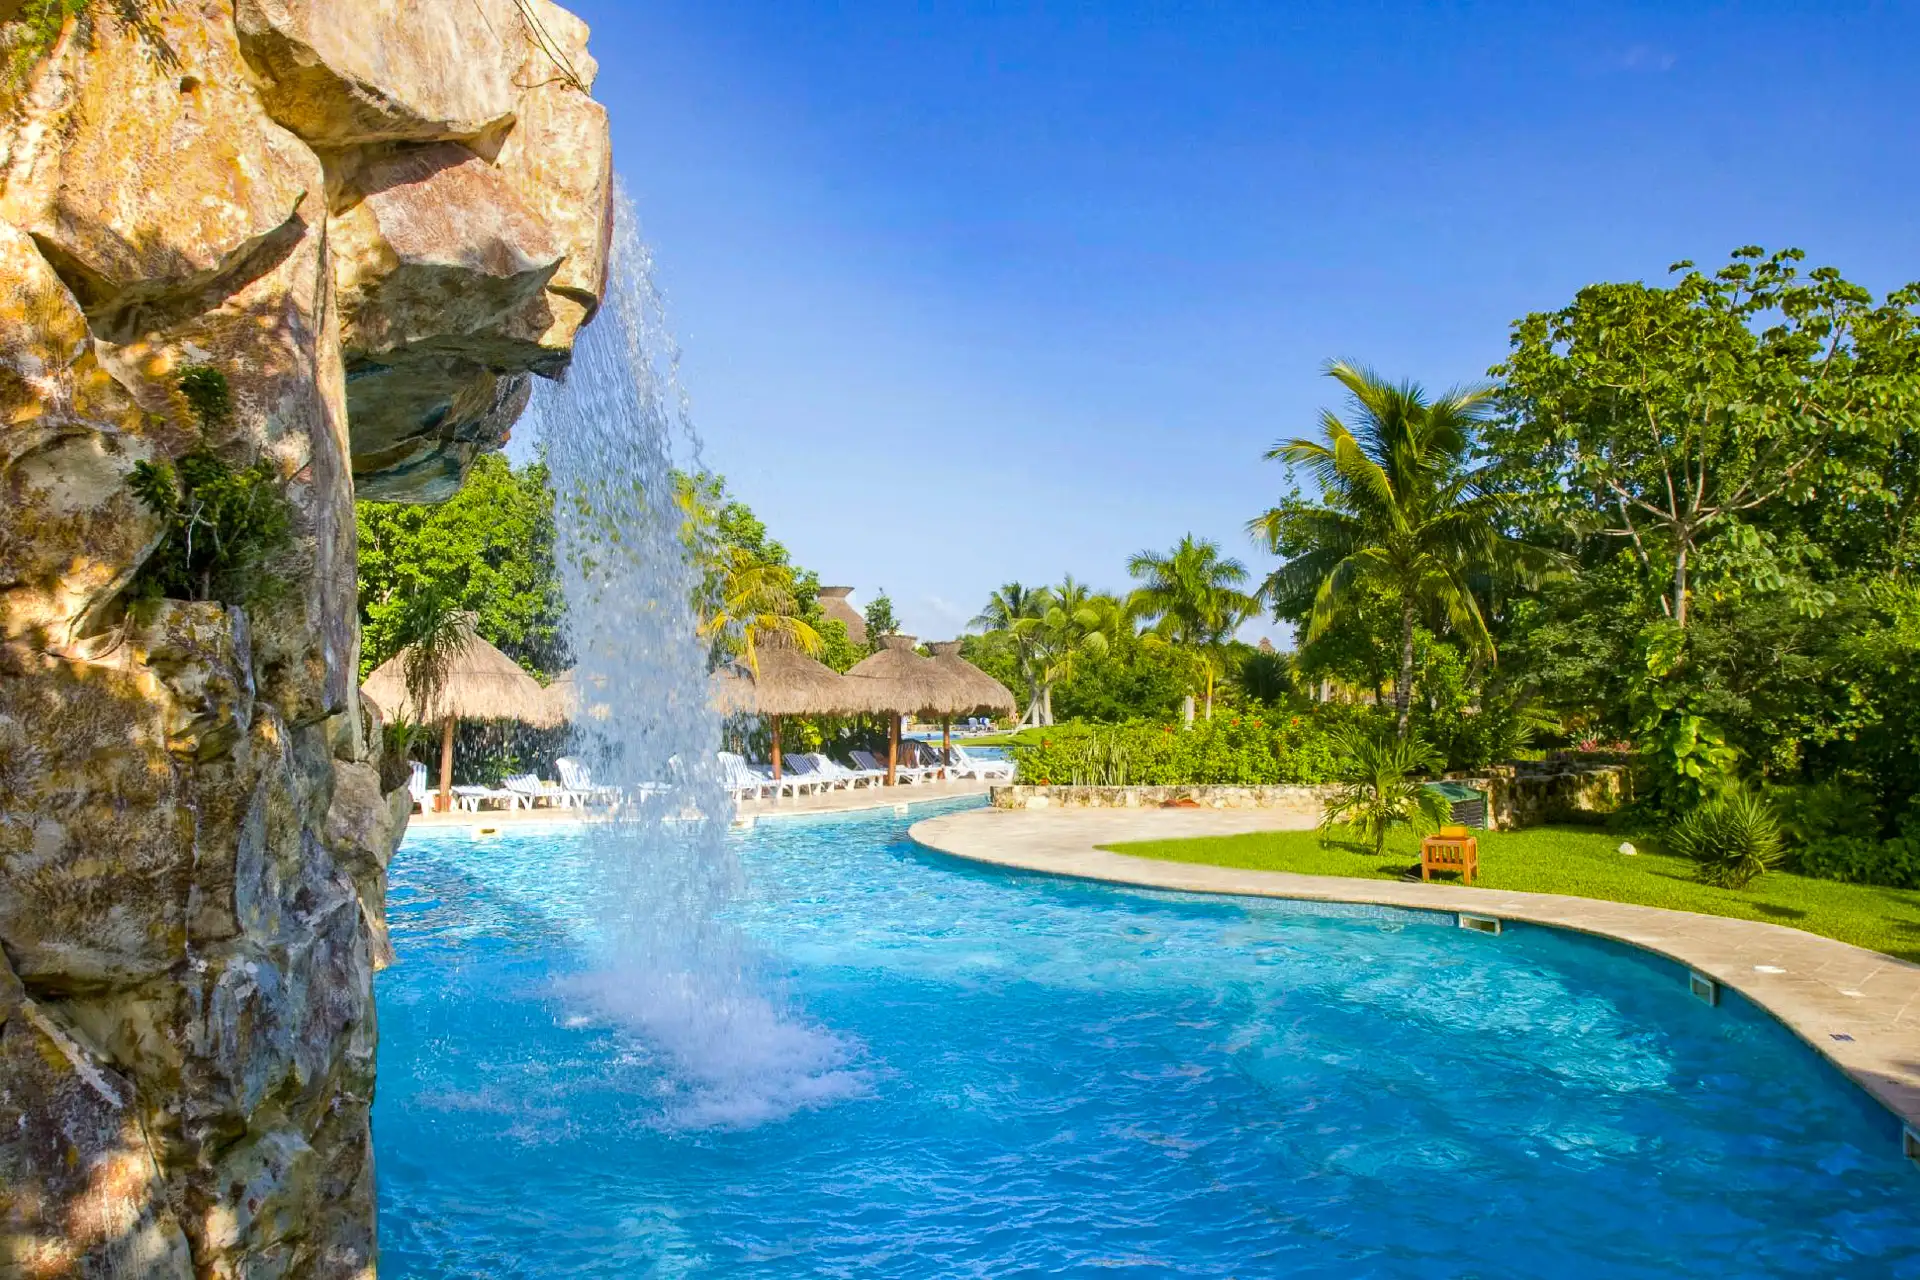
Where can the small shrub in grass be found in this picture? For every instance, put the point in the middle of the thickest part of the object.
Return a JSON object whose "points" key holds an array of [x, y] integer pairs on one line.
{"points": [[1381, 795], [1734, 838], [1892, 864]]}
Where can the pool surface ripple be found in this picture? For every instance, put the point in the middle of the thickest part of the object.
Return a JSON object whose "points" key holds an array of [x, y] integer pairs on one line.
{"points": [[996, 1074]]}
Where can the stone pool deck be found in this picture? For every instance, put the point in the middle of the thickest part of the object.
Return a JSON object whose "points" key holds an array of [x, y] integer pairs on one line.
{"points": [[1860, 1009], [854, 800]]}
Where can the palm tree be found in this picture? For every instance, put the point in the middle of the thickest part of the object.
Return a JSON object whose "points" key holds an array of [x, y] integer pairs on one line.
{"points": [[1402, 511], [432, 631], [1193, 598], [1380, 795], [1006, 610], [1075, 621], [753, 600]]}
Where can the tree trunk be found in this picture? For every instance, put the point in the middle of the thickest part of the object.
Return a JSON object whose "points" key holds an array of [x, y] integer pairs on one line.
{"points": [[893, 749], [1046, 702], [446, 766], [1680, 586], [1209, 693], [1403, 679], [775, 752]]}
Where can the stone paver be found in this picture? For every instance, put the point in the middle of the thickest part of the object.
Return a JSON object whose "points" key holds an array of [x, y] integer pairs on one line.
{"points": [[1860, 1009]]}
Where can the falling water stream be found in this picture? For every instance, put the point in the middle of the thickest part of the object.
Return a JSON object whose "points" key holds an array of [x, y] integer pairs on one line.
{"points": [[670, 964]]}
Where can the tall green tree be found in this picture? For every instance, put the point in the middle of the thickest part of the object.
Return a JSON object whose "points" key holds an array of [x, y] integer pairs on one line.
{"points": [[1401, 511], [1008, 610], [1075, 623], [1192, 597], [488, 550], [1674, 419]]}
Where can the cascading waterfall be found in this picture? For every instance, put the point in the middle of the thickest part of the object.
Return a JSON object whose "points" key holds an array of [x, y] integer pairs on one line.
{"points": [[670, 966]]}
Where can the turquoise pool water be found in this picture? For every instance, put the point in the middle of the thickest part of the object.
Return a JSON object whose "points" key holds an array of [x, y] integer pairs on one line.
{"points": [[1006, 1075]]}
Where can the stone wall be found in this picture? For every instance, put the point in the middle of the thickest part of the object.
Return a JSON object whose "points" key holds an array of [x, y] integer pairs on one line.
{"points": [[1518, 796], [1532, 794], [378, 219], [1302, 801]]}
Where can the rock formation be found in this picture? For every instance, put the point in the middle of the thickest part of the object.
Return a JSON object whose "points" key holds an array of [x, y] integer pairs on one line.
{"points": [[375, 220]]}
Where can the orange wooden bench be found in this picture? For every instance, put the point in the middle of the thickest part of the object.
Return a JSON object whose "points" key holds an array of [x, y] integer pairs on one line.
{"points": [[1450, 849]]}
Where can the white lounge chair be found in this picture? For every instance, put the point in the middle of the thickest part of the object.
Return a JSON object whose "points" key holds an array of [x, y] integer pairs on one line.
{"points": [[903, 772], [740, 781], [966, 766], [470, 798], [806, 768], [417, 786], [575, 777], [826, 766], [532, 791]]}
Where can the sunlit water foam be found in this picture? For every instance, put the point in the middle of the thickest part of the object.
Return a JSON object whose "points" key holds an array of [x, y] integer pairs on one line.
{"points": [[617, 431]]}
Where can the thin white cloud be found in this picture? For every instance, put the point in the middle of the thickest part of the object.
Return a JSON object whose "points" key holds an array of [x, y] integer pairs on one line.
{"points": [[1646, 57]]}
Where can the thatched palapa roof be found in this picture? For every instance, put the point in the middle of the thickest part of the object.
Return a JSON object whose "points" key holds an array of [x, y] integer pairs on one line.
{"points": [[899, 681], [991, 698], [782, 681], [482, 684], [834, 603]]}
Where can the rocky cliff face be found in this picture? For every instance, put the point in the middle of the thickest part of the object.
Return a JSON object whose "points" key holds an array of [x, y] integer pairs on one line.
{"points": [[377, 219]]}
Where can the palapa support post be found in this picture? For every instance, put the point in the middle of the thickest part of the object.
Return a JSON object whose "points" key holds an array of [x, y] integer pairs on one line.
{"points": [[893, 747], [446, 766], [774, 723], [946, 746]]}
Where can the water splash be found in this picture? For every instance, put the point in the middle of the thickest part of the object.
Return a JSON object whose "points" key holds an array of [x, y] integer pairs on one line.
{"points": [[673, 969]]}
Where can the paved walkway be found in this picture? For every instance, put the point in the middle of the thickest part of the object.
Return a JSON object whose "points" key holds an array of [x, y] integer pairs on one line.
{"points": [[848, 801], [1858, 1008]]}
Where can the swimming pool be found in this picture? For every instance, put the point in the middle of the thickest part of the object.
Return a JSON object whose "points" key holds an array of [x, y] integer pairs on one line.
{"points": [[1002, 1074]]}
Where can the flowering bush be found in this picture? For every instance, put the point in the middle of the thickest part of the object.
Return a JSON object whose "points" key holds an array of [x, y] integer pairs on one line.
{"points": [[1246, 750]]}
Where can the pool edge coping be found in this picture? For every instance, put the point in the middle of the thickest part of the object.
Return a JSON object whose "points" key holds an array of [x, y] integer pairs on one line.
{"points": [[1882, 1056]]}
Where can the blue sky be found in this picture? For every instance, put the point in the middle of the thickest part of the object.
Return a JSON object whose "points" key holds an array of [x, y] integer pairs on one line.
{"points": [[973, 292]]}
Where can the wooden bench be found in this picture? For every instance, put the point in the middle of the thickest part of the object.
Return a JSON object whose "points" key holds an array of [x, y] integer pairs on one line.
{"points": [[1450, 849]]}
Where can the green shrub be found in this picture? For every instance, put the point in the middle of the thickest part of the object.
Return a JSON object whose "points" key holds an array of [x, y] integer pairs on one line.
{"points": [[224, 530], [1734, 837], [1381, 793], [1249, 750], [1894, 864]]}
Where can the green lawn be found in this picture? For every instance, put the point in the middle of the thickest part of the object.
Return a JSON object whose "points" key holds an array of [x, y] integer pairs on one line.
{"points": [[1586, 864]]}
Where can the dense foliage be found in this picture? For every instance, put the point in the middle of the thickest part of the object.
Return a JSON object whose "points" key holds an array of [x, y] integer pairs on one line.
{"points": [[486, 551], [224, 530], [1230, 750]]}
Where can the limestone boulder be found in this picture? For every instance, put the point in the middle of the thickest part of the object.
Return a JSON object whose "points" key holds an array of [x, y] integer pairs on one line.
{"points": [[349, 72], [276, 338], [81, 1193], [425, 422], [203, 657], [434, 248], [364, 827], [145, 165], [69, 438], [559, 158], [96, 824]]}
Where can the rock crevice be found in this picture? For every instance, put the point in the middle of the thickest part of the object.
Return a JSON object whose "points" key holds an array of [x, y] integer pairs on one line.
{"points": [[376, 220]]}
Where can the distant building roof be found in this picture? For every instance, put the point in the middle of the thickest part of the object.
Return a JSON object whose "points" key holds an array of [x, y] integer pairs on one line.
{"points": [[834, 603]]}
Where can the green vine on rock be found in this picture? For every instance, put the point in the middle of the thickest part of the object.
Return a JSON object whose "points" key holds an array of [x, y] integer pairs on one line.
{"points": [[225, 528], [29, 29]]}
